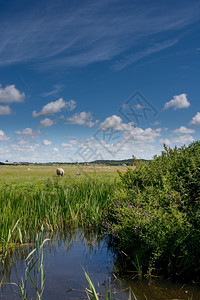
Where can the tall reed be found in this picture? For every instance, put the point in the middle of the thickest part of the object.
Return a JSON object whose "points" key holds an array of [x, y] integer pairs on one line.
{"points": [[60, 204], [34, 270]]}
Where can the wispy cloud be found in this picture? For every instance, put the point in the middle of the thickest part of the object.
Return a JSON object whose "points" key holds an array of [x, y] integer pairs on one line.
{"points": [[68, 146], [156, 123], [21, 141], [131, 58], [106, 29], [70, 105], [54, 107], [56, 90]]}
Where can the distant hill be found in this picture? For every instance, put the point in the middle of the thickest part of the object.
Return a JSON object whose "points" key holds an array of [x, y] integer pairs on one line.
{"points": [[108, 162], [116, 162]]}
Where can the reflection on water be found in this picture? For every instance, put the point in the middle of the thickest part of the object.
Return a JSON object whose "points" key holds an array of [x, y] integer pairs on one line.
{"points": [[65, 257]]}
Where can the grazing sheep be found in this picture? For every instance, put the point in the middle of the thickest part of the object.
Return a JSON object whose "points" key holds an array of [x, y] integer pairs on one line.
{"points": [[60, 172]]}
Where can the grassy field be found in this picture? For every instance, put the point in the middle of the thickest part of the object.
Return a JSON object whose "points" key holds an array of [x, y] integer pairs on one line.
{"points": [[34, 196], [24, 176]]}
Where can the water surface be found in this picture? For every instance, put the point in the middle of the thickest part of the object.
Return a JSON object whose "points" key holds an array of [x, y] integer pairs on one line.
{"points": [[65, 257]]}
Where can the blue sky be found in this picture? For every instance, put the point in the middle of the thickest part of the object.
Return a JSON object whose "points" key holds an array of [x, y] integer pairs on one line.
{"points": [[86, 80]]}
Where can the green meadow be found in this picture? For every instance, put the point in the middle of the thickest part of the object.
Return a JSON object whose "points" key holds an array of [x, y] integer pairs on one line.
{"points": [[32, 196], [37, 176]]}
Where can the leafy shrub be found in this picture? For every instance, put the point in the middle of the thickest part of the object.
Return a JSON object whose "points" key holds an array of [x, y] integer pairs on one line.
{"points": [[155, 216]]}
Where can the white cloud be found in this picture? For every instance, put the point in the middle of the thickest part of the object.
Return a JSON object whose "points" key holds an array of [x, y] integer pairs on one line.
{"points": [[179, 101], [55, 149], [196, 120], [128, 131], [183, 139], [51, 108], [83, 118], [3, 136], [10, 94], [47, 142], [183, 130], [115, 122], [147, 135], [5, 110], [26, 131], [47, 123]]}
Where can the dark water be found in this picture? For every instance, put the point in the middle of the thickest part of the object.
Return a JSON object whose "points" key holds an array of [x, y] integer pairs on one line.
{"points": [[67, 254]]}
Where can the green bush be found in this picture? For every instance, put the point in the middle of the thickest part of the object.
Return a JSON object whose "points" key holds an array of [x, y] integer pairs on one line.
{"points": [[155, 216]]}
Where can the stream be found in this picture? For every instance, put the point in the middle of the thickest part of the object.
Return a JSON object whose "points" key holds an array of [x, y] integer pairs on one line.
{"points": [[67, 255]]}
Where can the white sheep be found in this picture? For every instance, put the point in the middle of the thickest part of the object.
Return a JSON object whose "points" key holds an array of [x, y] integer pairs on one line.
{"points": [[60, 172]]}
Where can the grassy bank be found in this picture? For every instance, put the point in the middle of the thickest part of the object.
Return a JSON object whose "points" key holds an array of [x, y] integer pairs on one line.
{"points": [[155, 216]]}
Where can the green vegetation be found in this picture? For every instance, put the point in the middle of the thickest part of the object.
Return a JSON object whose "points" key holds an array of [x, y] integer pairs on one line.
{"points": [[34, 271], [32, 177], [92, 294], [155, 216], [57, 205], [151, 211]]}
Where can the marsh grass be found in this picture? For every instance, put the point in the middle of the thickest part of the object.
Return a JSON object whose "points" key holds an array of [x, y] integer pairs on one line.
{"points": [[8, 244], [57, 205], [109, 295], [34, 271]]}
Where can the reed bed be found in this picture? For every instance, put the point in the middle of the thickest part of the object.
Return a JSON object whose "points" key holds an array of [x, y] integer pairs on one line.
{"points": [[56, 205]]}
